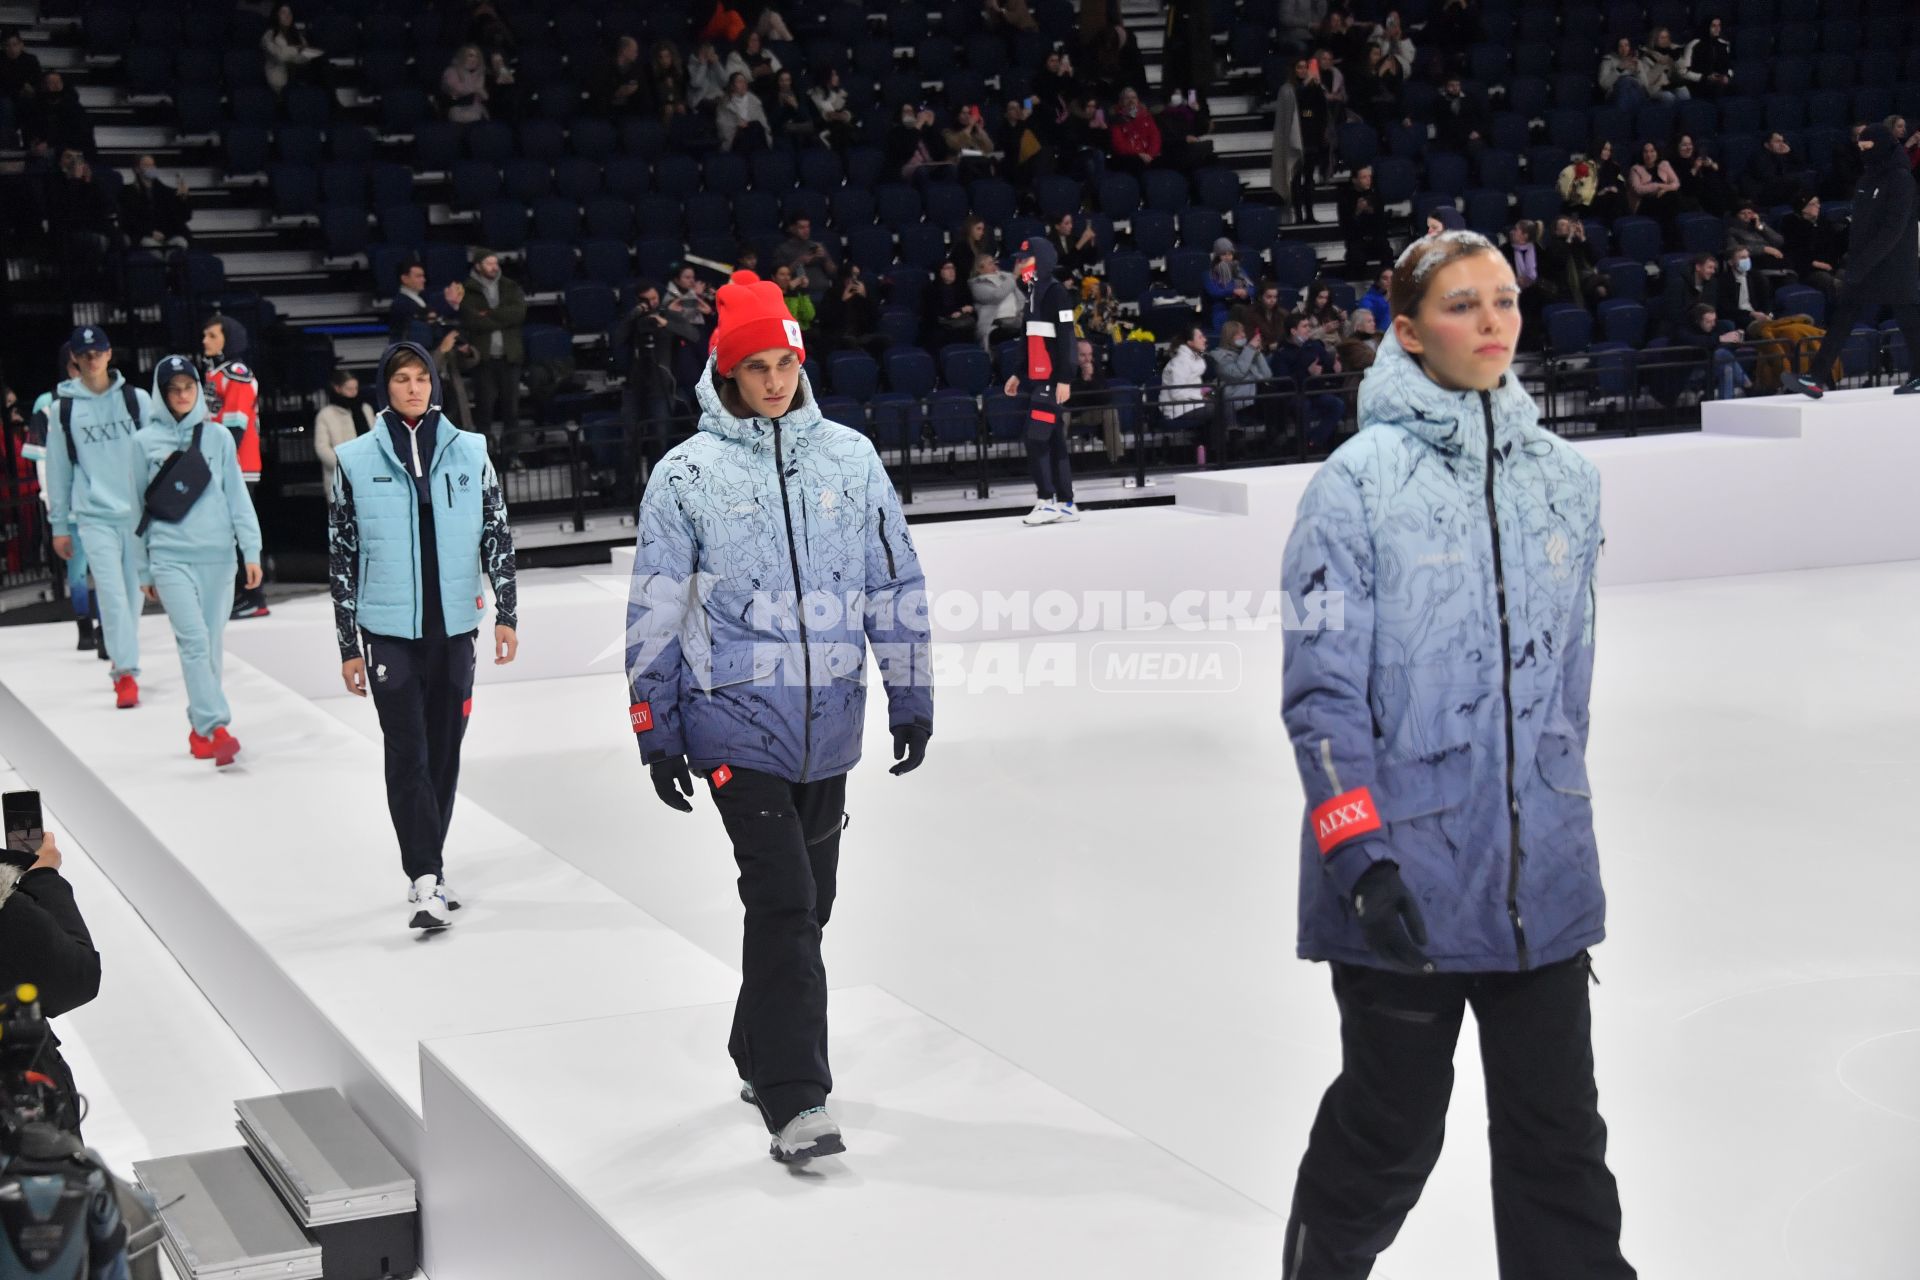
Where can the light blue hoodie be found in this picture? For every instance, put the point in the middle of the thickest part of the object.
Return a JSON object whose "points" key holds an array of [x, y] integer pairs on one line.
{"points": [[110, 484], [223, 518]]}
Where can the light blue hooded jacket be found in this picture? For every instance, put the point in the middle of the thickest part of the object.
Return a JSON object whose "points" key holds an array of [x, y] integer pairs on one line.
{"points": [[110, 484], [1461, 729], [223, 518], [728, 661]]}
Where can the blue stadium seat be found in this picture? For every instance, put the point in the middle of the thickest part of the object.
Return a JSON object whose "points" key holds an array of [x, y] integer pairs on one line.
{"points": [[1006, 416], [1187, 270], [1055, 195], [905, 285], [296, 190], [865, 165], [1153, 232], [890, 420], [549, 266], [1638, 238], [654, 257], [1119, 195], [853, 374], [403, 224], [1129, 272], [846, 411], [1700, 232], [756, 213], [197, 106], [627, 177], [1218, 188], [804, 202], [871, 248], [1626, 279], [1295, 263], [1741, 115], [436, 146], [774, 171], [820, 170], [994, 200], [555, 218], [676, 175], [923, 245], [899, 326], [1487, 212], [592, 139], [707, 213], [1256, 225], [910, 371], [1498, 169], [658, 216], [475, 182], [1447, 173], [526, 180], [954, 418], [605, 260], [1357, 144], [344, 230], [1136, 362], [1569, 328], [1200, 227], [852, 207], [389, 183], [1509, 132], [577, 178], [308, 105], [1394, 178], [547, 342], [591, 307], [504, 225], [1538, 203], [896, 204], [725, 173], [646, 139], [344, 184], [1622, 321], [1009, 359], [1797, 299], [299, 144], [149, 71], [608, 217], [965, 367]]}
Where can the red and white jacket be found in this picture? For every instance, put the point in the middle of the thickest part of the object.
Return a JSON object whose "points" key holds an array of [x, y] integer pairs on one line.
{"points": [[233, 401]]}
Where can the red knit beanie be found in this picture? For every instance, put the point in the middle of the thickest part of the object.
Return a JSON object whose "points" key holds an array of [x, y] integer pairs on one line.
{"points": [[753, 317]]}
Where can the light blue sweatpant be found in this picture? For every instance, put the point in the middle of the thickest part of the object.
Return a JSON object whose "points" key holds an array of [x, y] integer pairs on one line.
{"points": [[114, 554], [198, 598]]}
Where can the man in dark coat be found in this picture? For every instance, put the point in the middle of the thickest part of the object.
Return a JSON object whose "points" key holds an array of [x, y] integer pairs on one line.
{"points": [[1883, 263]]}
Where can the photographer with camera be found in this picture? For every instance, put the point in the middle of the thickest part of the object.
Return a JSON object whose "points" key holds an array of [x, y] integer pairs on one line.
{"points": [[43, 941], [647, 401]]}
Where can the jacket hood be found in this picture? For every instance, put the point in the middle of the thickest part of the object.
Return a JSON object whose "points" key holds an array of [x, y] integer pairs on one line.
{"points": [[1045, 260], [1886, 153], [1397, 392], [715, 417], [386, 358], [158, 415], [237, 338], [74, 389]]}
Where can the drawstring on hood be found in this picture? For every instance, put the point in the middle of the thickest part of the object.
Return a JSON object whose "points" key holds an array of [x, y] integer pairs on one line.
{"points": [[159, 415], [1397, 392], [802, 415], [386, 362]]}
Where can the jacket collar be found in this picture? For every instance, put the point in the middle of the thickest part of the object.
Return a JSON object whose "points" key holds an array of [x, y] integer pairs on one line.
{"points": [[755, 432], [1397, 392]]}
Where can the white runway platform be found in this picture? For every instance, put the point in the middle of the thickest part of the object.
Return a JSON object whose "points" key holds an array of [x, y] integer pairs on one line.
{"points": [[1070, 1034]]}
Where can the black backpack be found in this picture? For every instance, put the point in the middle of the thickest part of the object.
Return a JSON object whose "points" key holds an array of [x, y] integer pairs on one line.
{"points": [[182, 478]]}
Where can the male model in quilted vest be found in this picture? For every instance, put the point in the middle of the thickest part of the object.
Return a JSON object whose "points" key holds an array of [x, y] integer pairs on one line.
{"points": [[1440, 728], [417, 524], [771, 550]]}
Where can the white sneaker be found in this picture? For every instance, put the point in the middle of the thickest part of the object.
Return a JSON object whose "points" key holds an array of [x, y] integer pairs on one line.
{"points": [[431, 911], [808, 1135], [1068, 512], [446, 890], [1042, 513]]}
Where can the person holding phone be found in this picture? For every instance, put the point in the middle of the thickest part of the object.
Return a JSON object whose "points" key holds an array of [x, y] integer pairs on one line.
{"points": [[417, 523], [190, 560]]}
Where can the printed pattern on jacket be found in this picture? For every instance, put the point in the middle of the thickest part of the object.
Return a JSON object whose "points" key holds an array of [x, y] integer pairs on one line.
{"points": [[1407, 703]]}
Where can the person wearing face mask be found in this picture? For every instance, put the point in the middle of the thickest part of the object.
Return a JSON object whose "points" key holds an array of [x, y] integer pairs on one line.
{"points": [[151, 212], [1746, 295], [190, 555], [416, 524], [1447, 854], [746, 667], [1049, 376], [1883, 264]]}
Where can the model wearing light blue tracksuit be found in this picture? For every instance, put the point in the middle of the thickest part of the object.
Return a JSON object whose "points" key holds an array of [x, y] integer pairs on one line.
{"points": [[191, 561], [102, 497], [78, 593]]}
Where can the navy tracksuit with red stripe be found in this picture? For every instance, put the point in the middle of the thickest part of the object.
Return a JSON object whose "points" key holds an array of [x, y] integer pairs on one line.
{"points": [[1050, 362]]}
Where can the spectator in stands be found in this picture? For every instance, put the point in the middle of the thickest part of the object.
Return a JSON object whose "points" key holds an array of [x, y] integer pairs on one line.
{"points": [[642, 334], [793, 284], [1665, 63], [1098, 313], [1302, 126], [1055, 85], [1024, 154], [708, 76], [948, 308], [1305, 359], [802, 252], [1745, 294], [1776, 172], [464, 85], [1184, 125], [19, 70], [1609, 185], [1654, 187], [690, 320], [284, 49], [1453, 32], [1699, 284], [1091, 400], [971, 239], [1445, 218], [1073, 247], [1240, 366], [1184, 393], [1377, 91], [1706, 67], [1334, 81], [1346, 38], [1115, 62], [741, 120], [969, 143], [996, 302], [762, 65], [1363, 222], [1703, 187], [344, 417], [1814, 248], [1227, 282], [772, 26], [1523, 255], [152, 213], [1359, 343], [1299, 23], [1567, 270], [914, 149], [1376, 299], [82, 216], [1460, 123], [618, 87], [790, 116], [493, 317], [1844, 166], [669, 82], [1716, 340], [1265, 317], [1008, 15], [44, 941], [1627, 80], [412, 318], [1329, 321], [1749, 230], [1909, 142], [53, 119], [850, 318], [1135, 135], [829, 100], [1391, 38]]}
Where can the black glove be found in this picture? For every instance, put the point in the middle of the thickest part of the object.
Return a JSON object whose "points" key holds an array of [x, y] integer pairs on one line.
{"points": [[1390, 918], [670, 778], [909, 747]]}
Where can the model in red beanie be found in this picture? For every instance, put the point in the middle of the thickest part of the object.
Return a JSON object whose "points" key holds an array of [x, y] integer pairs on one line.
{"points": [[758, 345]]}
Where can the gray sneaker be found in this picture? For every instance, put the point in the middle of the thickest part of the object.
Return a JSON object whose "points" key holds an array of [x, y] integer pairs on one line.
{"points": [[809, 1135]]}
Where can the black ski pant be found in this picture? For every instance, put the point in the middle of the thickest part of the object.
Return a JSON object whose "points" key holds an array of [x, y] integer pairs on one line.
{"points": [[1556, 1211], [1840, 328], [1047, 453], [423, 693], [786, 840]]}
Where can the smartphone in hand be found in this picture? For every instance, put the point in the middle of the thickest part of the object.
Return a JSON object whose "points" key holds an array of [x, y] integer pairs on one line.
{"points": [[25, 828]]}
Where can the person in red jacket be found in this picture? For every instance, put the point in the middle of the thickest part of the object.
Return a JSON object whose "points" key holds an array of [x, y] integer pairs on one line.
{"points": [[1135, 134], [233, 401]]}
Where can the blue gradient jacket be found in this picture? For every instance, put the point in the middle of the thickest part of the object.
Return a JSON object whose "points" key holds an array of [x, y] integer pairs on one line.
{"points": [[1444, 726], [223, 517], [769, 553]]}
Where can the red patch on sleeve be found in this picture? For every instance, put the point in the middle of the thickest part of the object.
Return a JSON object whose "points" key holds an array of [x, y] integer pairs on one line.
{"points": [[1347, 815], [480, 602], [641, 713], [466, 708], [722, 776]]}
